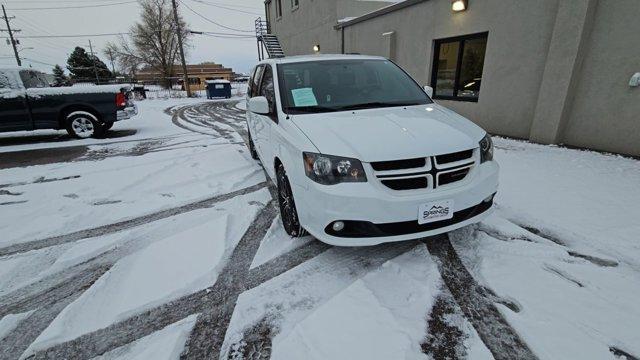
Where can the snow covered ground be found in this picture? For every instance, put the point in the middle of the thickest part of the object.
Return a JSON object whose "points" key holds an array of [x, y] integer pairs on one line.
{"points": [[165, 242]]}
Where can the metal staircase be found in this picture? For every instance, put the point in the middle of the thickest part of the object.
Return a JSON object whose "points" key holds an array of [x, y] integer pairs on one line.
{"points": [[267, 41]]}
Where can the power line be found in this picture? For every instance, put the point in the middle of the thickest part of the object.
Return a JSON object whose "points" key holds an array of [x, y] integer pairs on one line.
{"points": [[73, 36], [211, 21], [38, 62], [74, 7], [58, 1], [226, 8], [215, 34], [227, 4]]}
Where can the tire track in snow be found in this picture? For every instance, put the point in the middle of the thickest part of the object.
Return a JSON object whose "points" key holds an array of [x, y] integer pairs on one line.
{"points": [[126, 224], [16, 342], [498, 336], [208, 333], [215, 303]]}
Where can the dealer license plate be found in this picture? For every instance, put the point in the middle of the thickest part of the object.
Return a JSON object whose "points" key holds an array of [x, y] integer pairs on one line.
{"points": [[435, 211]]}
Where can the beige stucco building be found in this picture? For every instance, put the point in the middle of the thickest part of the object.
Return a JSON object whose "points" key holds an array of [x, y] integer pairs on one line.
{"points": [[551, 71]]}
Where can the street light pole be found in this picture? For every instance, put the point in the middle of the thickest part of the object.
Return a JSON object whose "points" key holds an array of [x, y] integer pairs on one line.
{"points": [[185, 78]]}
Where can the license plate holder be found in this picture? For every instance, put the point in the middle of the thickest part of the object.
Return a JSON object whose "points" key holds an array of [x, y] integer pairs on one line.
{"points": [[435, 211]]}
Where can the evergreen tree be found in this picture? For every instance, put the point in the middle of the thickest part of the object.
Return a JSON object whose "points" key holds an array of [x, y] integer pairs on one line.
{"points": [[59, 78], [83, 66]]}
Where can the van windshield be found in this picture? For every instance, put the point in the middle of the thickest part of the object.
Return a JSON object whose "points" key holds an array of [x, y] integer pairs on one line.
{"points": [[341, 85]]}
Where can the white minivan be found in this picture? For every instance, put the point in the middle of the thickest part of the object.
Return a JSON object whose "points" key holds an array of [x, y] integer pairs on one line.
{"points": [[360, 153]]}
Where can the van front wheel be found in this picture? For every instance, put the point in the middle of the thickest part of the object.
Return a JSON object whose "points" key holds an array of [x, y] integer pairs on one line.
{"points": [[288, 211]]}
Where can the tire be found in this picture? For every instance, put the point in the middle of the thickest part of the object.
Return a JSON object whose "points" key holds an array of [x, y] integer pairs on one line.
{"points": [[83, 125], [288, 212], [252, 148]]}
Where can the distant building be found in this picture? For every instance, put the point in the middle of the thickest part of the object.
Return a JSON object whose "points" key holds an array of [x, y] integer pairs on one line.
{"points": [[198, 74]]}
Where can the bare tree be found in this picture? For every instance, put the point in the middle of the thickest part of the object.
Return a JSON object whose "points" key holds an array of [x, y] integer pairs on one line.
{"points": [[153, 41]]}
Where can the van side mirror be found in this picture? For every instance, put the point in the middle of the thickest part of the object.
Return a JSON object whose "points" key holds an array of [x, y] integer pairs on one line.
{"points": [[259, 105], [429, 90]]}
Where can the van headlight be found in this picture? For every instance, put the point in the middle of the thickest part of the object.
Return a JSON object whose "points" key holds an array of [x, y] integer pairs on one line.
{"points": [[486, 149], [330, 170]]}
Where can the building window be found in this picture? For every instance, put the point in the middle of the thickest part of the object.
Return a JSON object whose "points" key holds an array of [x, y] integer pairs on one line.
{"points": [[295, 4], [278, 8], [457, 67]]}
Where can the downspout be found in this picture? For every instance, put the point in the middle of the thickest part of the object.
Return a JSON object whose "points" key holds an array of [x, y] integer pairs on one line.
{"points": [[342, 34]]}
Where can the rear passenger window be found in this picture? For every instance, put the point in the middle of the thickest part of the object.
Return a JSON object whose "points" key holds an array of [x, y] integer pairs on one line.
{"points": [[255, 82], [30, 79], [4, 81]]}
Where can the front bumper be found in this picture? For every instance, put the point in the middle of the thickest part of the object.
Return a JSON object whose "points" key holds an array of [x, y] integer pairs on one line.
{"points": [[373, 216], [127, 113]]}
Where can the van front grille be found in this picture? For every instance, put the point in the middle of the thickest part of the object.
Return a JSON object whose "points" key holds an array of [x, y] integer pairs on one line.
{"points": [[407, 184], [424, 173], [453, 157], [451, 177], [398, 164]]}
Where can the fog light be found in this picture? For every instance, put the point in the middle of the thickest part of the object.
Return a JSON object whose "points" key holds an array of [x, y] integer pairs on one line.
{"points": [[337, 226]]}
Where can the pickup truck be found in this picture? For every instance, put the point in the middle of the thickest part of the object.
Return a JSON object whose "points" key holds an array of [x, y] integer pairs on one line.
{"points": [[27, 102]]}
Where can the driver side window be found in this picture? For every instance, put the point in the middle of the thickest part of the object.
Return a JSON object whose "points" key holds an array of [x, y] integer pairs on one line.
{"points": [[267, 90]]}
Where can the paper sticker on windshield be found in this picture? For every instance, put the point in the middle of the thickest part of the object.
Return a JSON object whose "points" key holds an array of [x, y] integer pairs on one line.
{"points": [[304, 97]]}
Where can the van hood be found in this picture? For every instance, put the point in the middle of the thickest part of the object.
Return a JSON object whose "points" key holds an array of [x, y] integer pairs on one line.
{"points": [[390, 133]]}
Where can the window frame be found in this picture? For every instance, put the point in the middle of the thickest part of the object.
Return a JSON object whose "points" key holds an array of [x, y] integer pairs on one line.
{"points": [[278, 4], [32, 74], [273, 106], [434, 65], [255, 90]]}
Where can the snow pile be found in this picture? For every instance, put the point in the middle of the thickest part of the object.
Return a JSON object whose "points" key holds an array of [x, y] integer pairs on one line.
{"points": [[563, 245], [277, 242], [11, 321], [166, 344], [72, 90], [588, 199], [218, 81]]}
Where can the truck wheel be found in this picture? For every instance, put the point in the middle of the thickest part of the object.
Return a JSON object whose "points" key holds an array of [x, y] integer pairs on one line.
{"points": [[83, 125], [288, 211]]}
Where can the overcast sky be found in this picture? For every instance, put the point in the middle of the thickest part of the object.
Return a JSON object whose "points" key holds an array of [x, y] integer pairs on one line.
{"points": [[239, 54]]}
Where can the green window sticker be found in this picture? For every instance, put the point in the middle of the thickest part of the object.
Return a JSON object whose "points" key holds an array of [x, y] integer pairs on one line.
{"points": [[304, 97]]}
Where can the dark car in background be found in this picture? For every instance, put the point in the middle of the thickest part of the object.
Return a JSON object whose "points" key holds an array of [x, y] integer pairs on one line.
{"points": [[27, 102]]}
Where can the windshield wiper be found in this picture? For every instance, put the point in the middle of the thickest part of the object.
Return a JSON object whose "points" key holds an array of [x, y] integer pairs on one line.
{"points": [[310, 109], [376, 104]]}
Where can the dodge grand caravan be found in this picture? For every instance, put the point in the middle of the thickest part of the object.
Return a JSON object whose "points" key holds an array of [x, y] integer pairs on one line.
{"points": [[360, 153]]}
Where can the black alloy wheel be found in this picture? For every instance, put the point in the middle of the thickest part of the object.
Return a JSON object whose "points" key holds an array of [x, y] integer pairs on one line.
{"points": [[288, 211]]}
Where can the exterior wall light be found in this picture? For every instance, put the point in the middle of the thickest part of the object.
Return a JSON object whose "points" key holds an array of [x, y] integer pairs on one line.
{"points": [[459, 5], [316, 48]]}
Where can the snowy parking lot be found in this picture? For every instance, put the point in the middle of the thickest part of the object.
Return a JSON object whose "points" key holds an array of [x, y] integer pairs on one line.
{"points": [[163, 241]]}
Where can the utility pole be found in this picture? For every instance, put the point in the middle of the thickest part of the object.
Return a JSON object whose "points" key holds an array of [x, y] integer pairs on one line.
{"points": [[185, 78], [113, 68], [93, 60], [14, 42]]}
